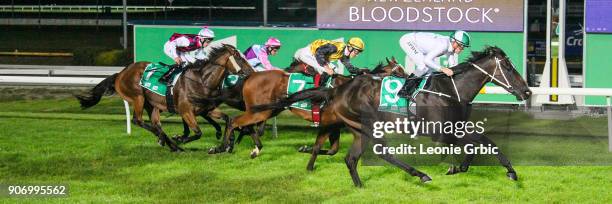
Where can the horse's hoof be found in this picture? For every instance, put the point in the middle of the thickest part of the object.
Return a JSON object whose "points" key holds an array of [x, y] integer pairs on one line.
{"points": [[512, 175], [310, 168], [212, 150], [304, 148], [161, 143], [425, 179], [452, 170], [178, 139], [253, 155]]}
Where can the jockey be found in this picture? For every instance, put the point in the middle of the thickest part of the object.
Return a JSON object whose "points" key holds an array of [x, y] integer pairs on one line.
{"points": [[257, 55], [185, 49], [320, 53], [424, 48]]}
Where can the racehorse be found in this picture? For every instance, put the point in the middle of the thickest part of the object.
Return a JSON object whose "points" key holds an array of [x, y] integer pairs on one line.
{"points": [[349, 103], [202, 78], [233, 96], [267, 87]]}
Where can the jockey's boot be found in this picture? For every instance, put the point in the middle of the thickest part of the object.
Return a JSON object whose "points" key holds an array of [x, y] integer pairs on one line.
{"points": [[323, 79], [319, 80], [409, 87], [166, 77]]}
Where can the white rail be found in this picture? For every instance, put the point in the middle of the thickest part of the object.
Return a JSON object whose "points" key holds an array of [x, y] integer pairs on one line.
{"points": [[33, 80], [555, 91], [568, 91]]}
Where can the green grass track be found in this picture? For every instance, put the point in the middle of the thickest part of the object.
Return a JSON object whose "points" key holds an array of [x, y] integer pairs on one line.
{"points": [[51, 141]]}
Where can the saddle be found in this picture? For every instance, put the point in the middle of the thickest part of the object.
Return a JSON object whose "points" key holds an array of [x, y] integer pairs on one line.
{"points": [[412, 85]]}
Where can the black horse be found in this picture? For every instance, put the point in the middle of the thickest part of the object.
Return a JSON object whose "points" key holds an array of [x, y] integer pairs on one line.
{"points": [[349, 103]]}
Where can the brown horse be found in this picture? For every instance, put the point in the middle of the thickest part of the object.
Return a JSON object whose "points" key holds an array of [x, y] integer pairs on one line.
{"points": [[349, 104], [267, 87], [233, 95], [202, 78]]}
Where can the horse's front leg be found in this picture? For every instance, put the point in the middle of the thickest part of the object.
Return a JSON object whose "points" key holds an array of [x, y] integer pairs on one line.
{"points": [[185, 136], [190, 123]]}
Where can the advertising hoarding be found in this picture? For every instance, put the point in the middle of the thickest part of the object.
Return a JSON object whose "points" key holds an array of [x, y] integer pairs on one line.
{"points": [[470, 15]]}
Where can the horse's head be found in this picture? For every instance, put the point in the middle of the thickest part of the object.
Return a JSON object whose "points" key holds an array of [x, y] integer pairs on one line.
{"points": [[392, 68], [229, 57], [494, 63], [298, 66]]}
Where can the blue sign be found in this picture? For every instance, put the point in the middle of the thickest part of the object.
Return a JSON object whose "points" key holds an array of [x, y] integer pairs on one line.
{"points": [[598, 16]]}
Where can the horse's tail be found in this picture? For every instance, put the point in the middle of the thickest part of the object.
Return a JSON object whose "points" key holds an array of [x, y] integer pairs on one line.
{"points": [[107, 86], [316, 95]]}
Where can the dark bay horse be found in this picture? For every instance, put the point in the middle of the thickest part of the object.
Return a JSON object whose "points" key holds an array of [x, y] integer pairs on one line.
{"points": [[233, 96], [202, 79], [349, 103], [267, 87]]}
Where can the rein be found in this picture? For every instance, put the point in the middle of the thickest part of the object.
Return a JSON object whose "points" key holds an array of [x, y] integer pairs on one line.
{"points": [[491, 76]]}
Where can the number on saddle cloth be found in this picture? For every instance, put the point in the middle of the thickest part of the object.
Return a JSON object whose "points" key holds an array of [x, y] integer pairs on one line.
{"points": [[298, 82], [389, 99]]}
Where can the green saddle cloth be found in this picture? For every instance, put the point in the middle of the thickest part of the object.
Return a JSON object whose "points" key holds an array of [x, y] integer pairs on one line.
{"points": [[298, 82], [230, 81], [151, 75], [390, 101]]}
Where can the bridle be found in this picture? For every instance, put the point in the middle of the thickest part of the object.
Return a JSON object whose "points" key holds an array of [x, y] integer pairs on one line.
{"points": [[505, 84], [492, 76]]}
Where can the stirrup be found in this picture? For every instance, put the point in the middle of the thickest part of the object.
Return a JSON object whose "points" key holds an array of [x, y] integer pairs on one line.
{"points": [[315, 124], [163, 79]]}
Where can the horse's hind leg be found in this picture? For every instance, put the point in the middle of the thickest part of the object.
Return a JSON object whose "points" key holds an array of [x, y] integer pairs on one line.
{"points": [[156, 121], [316, 148], [467, 159], [257, 131], [465, 165], [149, 108], [139, 104], [246, 119], [334, 142], [244, 131], [352, 158]]}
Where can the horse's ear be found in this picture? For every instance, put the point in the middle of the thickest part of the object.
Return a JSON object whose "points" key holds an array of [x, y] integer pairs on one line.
{"points": [[393, 59], [491, 50], [229, 48], [388, 62]]}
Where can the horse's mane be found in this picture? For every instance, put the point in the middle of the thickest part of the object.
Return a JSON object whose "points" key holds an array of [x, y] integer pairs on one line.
{"points": [[488, 51], [215, 53], [478, 55], [295, 62], [378, 69]]}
